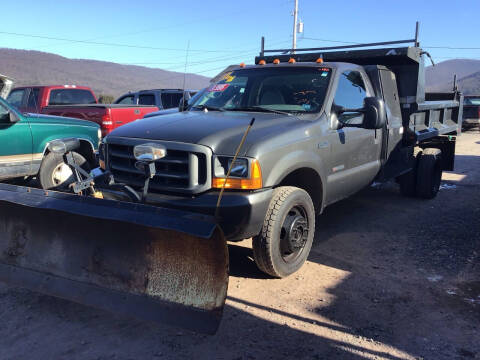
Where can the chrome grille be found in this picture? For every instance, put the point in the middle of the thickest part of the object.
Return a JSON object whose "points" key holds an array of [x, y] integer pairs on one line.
{"points": [[185, 168]]}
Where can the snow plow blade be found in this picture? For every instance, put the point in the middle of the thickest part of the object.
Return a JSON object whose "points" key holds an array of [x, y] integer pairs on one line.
{"points": [[151, 263]]}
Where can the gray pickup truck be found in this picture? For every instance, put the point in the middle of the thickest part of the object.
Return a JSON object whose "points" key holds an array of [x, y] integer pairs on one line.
{"points": [[327, 123]]}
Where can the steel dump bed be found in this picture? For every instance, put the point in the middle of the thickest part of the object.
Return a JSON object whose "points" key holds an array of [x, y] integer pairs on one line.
{"points": [[426, 115]]}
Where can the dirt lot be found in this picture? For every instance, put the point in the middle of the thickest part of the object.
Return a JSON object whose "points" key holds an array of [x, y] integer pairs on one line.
{"points": [[388, 278]]}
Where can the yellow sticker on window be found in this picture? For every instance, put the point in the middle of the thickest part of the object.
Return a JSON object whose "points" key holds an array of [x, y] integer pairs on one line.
{"points": [[228, 77]]}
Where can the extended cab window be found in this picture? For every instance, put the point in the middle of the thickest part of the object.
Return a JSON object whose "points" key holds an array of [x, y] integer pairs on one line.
{"points": [[32, 102], [286, 89], [71, 97], [146, 99], [351, 92], [171, 100], [471, 101], [128, 100], [16, 97]]}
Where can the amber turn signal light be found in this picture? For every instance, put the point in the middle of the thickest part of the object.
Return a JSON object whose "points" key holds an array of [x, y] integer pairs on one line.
{"points": [[291, 61], [276, 61], [262, 62], [252, 183]]}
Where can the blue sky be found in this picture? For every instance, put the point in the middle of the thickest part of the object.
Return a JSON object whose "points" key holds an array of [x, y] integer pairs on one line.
{"points": [[228, 32]]}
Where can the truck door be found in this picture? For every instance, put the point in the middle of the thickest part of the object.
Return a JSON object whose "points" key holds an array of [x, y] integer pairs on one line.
{"points": [[355, 152], [15, 146]]}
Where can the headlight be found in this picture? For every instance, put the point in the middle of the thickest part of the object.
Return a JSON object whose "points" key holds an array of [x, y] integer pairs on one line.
{"points": [[245, 174], [99, 135], [149, 152]]}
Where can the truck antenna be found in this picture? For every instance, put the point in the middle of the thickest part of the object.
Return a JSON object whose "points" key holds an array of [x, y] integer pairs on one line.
{"points": [[185, 75], [231, 165], [417, 30]]}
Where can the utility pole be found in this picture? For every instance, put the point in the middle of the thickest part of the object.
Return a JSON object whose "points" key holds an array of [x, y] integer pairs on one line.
{"points": [[295, 15]]}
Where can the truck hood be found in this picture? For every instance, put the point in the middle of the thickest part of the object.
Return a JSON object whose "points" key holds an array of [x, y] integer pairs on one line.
{"points": [[6, 85], [221, 131], [60, 120]]}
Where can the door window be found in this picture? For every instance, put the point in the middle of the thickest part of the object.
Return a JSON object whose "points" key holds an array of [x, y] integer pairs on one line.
{"points": [[15, 98], [4, 114], [350, 94], [127, 100], [146, 99]]}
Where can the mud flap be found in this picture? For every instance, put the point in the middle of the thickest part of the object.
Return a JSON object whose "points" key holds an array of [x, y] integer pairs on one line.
{"points": [[151, 263]]}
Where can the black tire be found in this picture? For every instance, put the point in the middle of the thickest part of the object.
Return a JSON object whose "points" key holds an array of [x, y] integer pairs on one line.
{"points": [[279, 252], [50, 164], [429, 173], [408, 181]]}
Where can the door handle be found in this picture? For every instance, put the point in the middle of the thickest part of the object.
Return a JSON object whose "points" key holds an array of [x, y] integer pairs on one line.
{"points": [[118, 122]]}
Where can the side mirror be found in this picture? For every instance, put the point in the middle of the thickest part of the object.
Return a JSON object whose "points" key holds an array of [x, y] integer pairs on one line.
{"points": [[183, 105], [373, 110], [375, 115], [13, 117]]}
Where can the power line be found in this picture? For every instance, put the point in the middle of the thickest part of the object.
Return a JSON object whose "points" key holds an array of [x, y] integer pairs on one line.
{"points": [[425, 47], [451, 48], [113, 44]]}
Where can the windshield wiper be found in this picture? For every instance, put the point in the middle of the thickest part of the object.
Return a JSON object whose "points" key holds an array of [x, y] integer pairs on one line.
{"points": [[209, 108], [259, 109]]}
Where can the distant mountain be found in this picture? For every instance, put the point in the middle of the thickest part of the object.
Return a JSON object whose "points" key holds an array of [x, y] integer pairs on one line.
{"points": [[105, 78], [440, 76]]}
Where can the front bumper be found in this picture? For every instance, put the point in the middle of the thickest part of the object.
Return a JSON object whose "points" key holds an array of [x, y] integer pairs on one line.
{"points": [[240, 216]]}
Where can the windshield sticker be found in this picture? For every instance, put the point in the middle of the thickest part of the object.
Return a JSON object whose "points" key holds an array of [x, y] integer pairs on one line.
{"points": [[325, 73], [218, 87], [306, 106], [242, 90]]}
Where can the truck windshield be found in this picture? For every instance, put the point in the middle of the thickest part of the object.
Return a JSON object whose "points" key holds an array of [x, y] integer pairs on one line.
{"points": [[281, 89]]}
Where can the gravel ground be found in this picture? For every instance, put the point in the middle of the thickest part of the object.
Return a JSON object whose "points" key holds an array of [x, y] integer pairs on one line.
{"points": [[388, 278]]}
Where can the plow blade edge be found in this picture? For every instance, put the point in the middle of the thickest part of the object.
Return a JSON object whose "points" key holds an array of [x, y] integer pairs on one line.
{"points": [[151, 263]]}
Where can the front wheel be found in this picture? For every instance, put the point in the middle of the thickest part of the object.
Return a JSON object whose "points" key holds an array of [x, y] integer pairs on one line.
{"points": [[56, 174], [287, 233]]}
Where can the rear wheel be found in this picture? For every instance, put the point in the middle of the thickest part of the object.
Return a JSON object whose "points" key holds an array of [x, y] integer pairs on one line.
{"points": [[429, 173], [408, 181], [287, 234], [56, 174]]}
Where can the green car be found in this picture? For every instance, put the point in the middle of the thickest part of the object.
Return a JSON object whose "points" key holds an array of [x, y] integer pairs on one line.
{"points": [[24, 140]]}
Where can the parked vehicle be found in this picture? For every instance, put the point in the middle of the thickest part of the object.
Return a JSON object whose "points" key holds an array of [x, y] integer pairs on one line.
{"points": [[76, 102], [108, 116], [33, 99], [6, 85], [24, 146], [259, 154], [162, 98], [471, 111], [179, 105]]}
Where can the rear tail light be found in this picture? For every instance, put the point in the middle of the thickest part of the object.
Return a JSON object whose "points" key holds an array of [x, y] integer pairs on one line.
{"points": [[107, 125]]}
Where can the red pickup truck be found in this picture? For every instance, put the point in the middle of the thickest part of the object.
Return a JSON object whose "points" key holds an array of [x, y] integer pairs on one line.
{"points": [[78, 102]]}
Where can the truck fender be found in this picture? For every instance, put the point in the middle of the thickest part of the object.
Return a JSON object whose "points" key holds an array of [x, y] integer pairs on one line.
{"points": [[84, 144], [294, 161]]}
